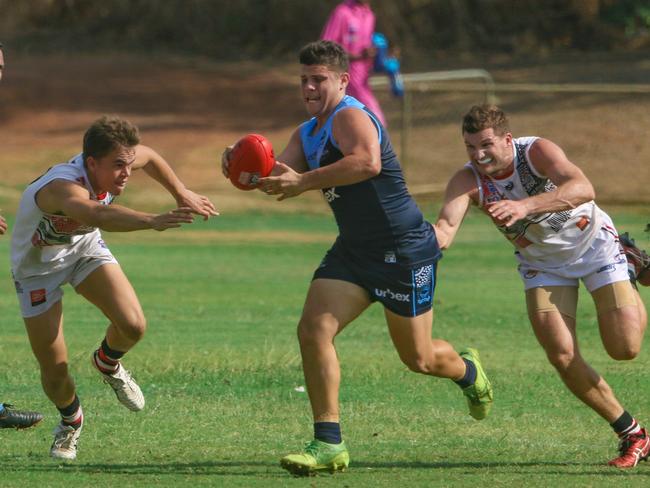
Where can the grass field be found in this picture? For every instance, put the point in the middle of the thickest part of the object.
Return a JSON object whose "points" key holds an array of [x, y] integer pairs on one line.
{"points": [[220, 366]]}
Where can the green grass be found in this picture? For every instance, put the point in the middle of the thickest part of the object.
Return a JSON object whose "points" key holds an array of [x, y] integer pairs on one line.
{"points": [[220, 364]]}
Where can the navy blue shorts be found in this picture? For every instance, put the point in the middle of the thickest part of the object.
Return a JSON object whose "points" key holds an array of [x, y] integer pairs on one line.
{"points": [[405, 291]]}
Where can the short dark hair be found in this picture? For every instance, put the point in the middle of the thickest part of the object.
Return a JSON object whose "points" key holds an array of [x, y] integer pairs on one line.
{"points": [[326, 53], [107, 133], [486, 116]]}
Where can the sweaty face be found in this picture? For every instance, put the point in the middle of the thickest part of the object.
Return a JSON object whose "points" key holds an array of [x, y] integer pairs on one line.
{"points": [[110, 173], [490, 153], [322, 89]]}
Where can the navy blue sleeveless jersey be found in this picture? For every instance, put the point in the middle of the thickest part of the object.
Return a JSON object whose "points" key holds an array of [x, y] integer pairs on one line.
{"points": [[377, 218]]}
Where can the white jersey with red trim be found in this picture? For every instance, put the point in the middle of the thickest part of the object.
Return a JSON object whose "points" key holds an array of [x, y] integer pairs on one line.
{"points": [[550, 239], [42, 243]]}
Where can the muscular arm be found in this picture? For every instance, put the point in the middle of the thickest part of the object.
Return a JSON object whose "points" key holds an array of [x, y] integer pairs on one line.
{"points": [[456, 204], [358, 141], [68, 198], [158, 169], [573, 187]]}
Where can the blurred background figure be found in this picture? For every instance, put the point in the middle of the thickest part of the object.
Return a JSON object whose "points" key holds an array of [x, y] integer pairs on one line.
{"points": [[351, 24]]}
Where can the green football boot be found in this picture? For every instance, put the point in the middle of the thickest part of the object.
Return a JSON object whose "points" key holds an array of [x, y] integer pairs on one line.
{"points": [[318, 456], [479, 395]]}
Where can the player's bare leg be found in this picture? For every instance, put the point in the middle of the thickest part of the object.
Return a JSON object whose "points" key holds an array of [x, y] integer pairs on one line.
{"points": [[45, 333], [109, 289], [557, 335], [622, 319], [412, 339], [622, 331], [329, 307], [435, 357]]}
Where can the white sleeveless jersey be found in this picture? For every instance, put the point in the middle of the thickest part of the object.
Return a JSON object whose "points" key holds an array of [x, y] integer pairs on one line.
{"points": [[551, 239], [43, 243]]}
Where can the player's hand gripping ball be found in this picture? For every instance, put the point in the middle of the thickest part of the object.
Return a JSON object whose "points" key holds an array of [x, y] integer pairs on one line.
{"points": [[251, 158]]}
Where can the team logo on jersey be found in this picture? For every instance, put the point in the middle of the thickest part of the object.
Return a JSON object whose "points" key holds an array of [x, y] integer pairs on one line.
{"points": [[38, 297], [330, 194], [423, 284]]}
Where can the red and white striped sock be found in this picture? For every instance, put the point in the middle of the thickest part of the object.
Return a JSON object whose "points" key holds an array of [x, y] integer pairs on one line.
{"points": [[72, 415], [105, 364]]}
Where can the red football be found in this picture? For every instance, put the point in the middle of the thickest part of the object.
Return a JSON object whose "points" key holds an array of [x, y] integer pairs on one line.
{"points": [[251, 158]]}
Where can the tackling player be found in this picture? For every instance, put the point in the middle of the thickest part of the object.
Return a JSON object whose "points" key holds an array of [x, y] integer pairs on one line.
{"points": [[385, 252], [543, 204], [56, 240], [9, 417]]}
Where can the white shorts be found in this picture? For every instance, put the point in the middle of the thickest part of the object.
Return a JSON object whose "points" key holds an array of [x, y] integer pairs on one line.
{"points": [[602, 264], [36, 294]]}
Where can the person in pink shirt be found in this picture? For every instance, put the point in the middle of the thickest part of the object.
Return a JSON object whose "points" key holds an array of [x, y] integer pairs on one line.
{"points": [[351, 25]]}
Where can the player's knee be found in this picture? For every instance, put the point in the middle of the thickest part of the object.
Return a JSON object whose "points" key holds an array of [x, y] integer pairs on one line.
{"points": [[133, 325], [419, 364], [313, 330], [562, 360], [624, 351]]}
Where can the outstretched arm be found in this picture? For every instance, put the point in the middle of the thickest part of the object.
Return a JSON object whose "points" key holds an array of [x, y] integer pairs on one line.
{"points": [[456, 204], [573, 187], [63, 197], [156, 167]]}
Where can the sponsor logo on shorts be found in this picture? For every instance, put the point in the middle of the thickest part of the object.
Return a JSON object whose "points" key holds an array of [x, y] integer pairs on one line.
{"points": [[530, 274], [389, 257], [391, 295], [607, 268], [38, 297]]}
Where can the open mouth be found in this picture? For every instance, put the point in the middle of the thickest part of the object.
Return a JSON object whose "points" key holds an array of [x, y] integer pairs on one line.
{"points": [[485, 160]]}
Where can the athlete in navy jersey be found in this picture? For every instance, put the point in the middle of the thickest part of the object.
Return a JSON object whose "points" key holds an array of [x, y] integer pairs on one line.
{"points": [[385, 252], [376, 216]]}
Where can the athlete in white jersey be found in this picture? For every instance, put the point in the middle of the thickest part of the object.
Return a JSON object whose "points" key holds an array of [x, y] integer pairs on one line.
{"points": [[544, 205], [57, 241]]}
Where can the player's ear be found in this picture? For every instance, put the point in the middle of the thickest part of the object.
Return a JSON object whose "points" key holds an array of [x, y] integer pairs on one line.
{"points": [[344, 79], [91, 163]]}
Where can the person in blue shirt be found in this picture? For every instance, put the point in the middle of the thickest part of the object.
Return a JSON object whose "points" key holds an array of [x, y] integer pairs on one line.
{"points": [[385, 252]]}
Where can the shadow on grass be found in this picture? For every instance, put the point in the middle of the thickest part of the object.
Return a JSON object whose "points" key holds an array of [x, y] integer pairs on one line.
{"points": [[215, 468], [603, 471], [247, 468]]}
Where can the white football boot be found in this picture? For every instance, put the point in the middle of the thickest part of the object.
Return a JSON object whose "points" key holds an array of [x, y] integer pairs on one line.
{"points": [[127, 390], [65, 442]]}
